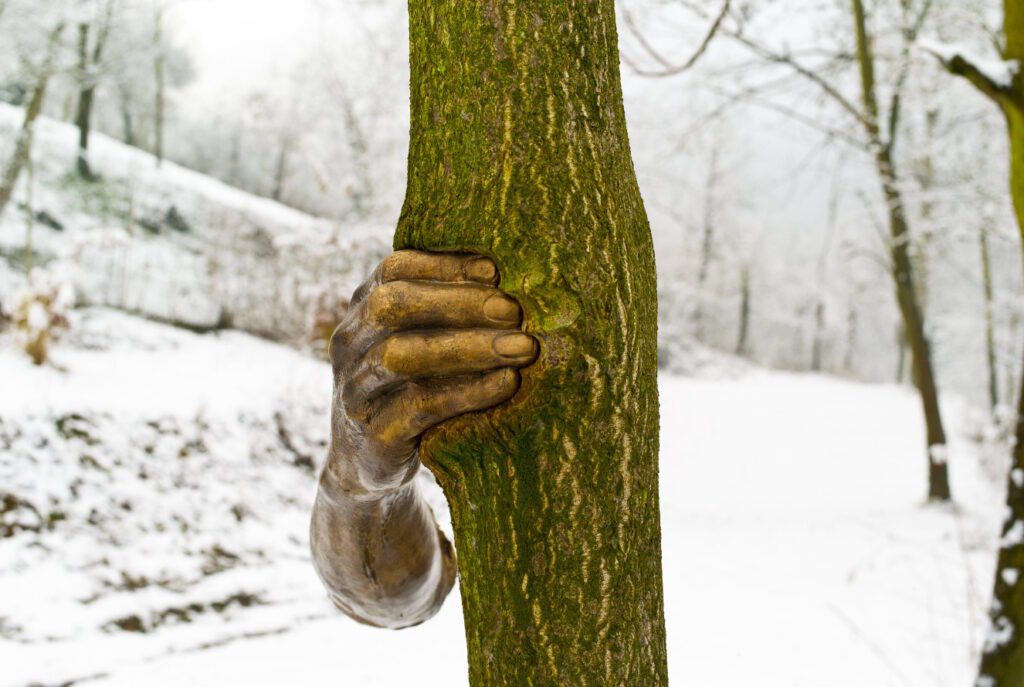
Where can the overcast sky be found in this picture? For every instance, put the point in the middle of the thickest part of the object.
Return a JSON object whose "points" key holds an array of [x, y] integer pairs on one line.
{"points": [[240, 45], [236, 44]]}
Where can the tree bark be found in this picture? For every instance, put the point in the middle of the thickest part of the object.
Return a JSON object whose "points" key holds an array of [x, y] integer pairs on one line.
{"points": [[519, 151], [741, 342], [990, 324], [23, 144], [707, 242], [281, 168], [127, 121], [159, 77], [902, 266], [87, 67], [818, 343], [1002, 662]]}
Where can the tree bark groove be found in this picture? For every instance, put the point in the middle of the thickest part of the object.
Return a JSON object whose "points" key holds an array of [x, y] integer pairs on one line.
{"points": [[519, 151]]}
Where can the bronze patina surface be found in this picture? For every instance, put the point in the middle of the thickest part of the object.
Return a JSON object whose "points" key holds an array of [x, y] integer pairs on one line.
{"points": [[427, 337]]}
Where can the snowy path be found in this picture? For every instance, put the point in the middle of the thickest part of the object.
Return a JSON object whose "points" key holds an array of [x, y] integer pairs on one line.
{"points": [[797, 554]]}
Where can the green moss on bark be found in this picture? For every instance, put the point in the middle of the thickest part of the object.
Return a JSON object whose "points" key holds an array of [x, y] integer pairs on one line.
{"points": [[519, 151]]}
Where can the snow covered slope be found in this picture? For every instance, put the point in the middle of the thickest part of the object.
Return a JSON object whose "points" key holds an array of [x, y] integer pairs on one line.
{"points": [[154, 497], [172, 243]]}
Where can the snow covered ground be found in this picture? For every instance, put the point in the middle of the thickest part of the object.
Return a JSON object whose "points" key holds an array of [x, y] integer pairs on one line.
{"points": [[155, 487]]}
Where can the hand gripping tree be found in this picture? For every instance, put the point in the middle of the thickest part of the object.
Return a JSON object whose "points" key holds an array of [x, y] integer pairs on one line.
{"points": [[519, 151]]}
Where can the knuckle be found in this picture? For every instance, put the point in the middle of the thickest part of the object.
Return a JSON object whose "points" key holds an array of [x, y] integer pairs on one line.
{"points": [[506, 381], [391, 265], [381, 300]]}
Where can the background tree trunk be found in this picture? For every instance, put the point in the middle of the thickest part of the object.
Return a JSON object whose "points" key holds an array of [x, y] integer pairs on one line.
{"points": [[990, 315], [707, 243], [741, 341], [88, 67], [159, 76], [281, 167], [902, 266], [519, 151], [23, 144], [82, 112]]}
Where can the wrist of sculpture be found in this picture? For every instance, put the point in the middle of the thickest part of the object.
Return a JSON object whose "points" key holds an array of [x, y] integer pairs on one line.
{"points": [[349, 475]]}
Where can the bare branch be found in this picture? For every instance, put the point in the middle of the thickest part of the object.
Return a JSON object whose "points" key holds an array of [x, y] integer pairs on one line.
{"points": [[750, 96], [668, 69], [961, 65], [807, 73], [911, 30]]}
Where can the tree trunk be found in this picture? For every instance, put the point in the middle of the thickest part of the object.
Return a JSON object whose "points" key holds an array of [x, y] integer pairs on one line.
{"points": [[125, 107], [707, 242], [917, 341], [87, 67], [84, 110], [159, 77], [1002, 663], [281, 169], [519, 151], [362, 197], [901, 354], [990, 324], [818, 344], [741, 343], [902, 267], [23, 144], [235, 158]]}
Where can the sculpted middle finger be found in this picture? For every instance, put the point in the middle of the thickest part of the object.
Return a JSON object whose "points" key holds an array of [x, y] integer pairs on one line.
{"points": [[410, 305]]}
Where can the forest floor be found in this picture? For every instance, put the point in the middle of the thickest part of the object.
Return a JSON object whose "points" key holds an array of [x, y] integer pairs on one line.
{"points": [[155, 487]]}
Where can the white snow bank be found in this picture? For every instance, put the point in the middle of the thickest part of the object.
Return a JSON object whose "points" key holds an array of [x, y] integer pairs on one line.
{"points": [[166, 544]]}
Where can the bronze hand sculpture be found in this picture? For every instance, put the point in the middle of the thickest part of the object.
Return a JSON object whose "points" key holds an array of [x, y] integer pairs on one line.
{"points": [[429, 336]]}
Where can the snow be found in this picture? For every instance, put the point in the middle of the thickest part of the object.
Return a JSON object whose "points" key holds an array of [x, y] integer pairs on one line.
{"points": [[174, 244], [798, 550], [999, 72], [939, 454]]}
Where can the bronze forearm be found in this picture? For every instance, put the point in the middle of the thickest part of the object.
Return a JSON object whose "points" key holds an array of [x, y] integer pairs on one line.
{"points": [[428, 337]]}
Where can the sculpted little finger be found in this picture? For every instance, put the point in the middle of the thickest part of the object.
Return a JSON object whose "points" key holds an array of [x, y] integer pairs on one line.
{"points": [[420, 355]]}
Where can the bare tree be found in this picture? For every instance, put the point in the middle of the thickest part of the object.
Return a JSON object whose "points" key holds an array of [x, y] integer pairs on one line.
{"points": [[160, 79], [90, 56], [1002, 663], [873, 127], [23, 143]]}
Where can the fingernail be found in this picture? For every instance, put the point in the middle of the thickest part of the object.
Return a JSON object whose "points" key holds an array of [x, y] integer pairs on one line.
{"points": [[480, 269], [514, 345], [501, 308]]}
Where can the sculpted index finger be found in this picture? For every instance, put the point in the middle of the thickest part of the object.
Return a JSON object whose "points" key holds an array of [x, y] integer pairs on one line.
{"points": [[445, 267]]}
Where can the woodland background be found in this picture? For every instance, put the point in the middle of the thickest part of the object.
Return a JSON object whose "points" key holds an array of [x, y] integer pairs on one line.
{"points": [[244, 168]]}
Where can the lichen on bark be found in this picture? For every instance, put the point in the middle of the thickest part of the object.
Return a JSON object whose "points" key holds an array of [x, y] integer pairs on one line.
{"points": [[519, 151]]}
